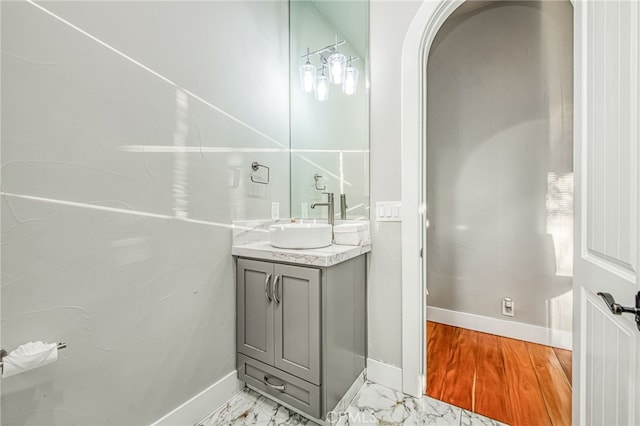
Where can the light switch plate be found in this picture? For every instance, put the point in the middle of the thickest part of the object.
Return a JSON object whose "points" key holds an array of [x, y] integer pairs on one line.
{"points": [[275, 210], [388, 211]]}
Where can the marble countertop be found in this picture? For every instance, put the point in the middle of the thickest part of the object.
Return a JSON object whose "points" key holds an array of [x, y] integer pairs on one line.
{"points": [[325, 256]]}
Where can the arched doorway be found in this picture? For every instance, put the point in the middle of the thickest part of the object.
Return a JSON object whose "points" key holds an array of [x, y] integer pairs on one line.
{"points": [[606, 52], [414, 177]]}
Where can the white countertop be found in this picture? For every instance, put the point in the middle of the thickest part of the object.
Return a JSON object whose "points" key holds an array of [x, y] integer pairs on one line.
{"points": [[325, 256]]}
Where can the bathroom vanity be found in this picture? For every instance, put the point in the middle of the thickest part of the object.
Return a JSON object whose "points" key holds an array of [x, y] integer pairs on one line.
{"points": [[301, 335]]}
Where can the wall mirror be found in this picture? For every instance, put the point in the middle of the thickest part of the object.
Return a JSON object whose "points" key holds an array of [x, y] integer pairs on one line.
{"points": [[329, 57]]}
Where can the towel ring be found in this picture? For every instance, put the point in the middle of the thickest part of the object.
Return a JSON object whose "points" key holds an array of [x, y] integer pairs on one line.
{"points": [[255, 166], [317, 177]]}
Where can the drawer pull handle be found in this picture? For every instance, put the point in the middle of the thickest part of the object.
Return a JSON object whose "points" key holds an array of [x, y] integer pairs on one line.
{"points": [[276, 287], [280, 388], [266, 288]]}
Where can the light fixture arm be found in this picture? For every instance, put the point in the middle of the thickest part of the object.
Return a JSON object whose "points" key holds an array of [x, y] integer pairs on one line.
{"points": [[352, 59], [329, 48], [307, 56]]}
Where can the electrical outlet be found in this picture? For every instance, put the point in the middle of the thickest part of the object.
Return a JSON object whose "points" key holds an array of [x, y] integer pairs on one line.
{"points": [[508, 307], [304, 207], [275, 210]]}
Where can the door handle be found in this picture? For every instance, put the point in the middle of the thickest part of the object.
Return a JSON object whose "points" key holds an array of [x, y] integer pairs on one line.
{"points": [[267, 294], [276, 288], [280, 388], [618, 309]]}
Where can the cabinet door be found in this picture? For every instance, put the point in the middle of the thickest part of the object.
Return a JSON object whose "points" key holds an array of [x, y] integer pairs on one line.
{"points": [[255, 310], [297, 321]]}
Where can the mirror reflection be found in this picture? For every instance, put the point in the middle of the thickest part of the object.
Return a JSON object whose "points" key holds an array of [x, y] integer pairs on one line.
{"points": [[329, 49]]}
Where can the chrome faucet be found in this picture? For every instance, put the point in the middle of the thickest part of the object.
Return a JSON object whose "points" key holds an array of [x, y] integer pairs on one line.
{"points": [[343, 206], [330, 206]]}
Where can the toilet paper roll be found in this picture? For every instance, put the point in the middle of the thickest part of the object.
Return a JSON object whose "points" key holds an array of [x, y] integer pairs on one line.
{"points": [[29, 356]]}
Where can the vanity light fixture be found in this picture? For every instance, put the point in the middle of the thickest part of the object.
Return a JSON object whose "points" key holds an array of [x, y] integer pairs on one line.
{"points": [[340, 71], [308, 75], [350, 79], [322, 87], [337, 65]]}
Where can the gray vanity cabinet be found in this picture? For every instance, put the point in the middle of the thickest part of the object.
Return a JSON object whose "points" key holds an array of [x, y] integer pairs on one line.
{"points": [[301, 330], [255, 310], [297, 321], [279, 316]]}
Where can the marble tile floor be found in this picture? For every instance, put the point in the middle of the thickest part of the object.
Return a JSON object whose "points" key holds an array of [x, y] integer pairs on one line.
{"points": [[373, 405]]}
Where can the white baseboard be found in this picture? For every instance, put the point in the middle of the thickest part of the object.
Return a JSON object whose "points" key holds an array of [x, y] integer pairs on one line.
{"points": [[499, 327], [384, 374], [198, 407]]}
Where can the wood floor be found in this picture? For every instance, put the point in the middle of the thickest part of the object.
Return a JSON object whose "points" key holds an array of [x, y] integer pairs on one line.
{"points": [[513, 381]]}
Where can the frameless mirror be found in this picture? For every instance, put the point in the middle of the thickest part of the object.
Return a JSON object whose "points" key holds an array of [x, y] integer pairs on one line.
{"points": [[329, 47]]}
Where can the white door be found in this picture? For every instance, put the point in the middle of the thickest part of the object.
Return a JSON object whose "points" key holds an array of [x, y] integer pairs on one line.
{"points": [[606, 346]]}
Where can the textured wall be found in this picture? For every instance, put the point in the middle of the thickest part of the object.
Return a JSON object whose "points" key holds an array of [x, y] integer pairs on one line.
{"points": [[500, 172], [121, 173]]}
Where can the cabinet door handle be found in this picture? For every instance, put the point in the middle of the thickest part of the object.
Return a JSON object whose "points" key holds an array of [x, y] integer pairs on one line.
{"points": [[276, 288], [280, 388], [267, 294]]}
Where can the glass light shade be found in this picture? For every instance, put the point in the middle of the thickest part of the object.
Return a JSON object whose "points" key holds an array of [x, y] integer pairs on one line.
{"points": [[308, 77], [322, 88], [350, 81], [337, 63]]}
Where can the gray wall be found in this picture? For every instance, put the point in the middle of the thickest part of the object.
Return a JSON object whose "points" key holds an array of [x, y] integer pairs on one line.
{"points": [[389, 22], [499, 162], [125, 255]]}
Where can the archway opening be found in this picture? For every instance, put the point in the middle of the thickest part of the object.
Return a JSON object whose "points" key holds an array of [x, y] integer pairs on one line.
{"points": [[498, 192]]}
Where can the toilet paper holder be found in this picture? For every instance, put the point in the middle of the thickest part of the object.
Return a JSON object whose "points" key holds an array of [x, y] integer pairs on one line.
{"points": [[4, 353]]}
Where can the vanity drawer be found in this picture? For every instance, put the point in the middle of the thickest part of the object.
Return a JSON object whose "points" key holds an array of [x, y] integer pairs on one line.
{"points": [[285, 387]]}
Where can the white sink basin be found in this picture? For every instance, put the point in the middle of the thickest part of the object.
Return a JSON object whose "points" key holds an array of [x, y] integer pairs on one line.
{"points": [[300, 235]]}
